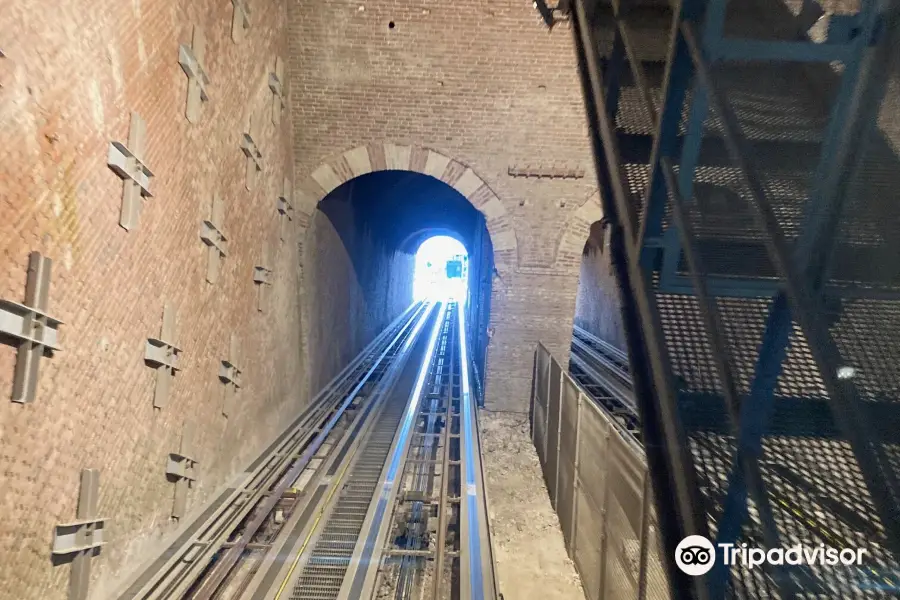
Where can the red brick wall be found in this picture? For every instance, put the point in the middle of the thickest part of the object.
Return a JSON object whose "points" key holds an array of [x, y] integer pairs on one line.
{"points": [[489, 87], [598, 308], [73, 71], [348, 298]]}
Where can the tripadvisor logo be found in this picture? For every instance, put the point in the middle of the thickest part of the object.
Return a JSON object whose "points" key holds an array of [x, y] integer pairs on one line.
{"points": [[695, 555]]}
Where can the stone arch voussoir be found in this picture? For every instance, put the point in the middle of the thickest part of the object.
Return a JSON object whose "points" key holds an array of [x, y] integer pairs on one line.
{"points": [[578, 229], [361, 160]]}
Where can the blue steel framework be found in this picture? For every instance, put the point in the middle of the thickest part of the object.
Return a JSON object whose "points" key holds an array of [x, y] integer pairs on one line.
{"points": [[759, 275]]}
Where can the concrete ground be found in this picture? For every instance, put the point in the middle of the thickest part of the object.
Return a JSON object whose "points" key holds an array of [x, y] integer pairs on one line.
{"points": [[528, 544]]}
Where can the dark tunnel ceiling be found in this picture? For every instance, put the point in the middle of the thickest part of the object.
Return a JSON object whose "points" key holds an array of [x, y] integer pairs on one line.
{"points": [[403, 209]]}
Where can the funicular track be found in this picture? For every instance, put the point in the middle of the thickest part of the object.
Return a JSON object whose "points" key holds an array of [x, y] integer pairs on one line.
{"points": [[325, 566], [362, 492], [602, 370], [393, 524], [201, 561]]}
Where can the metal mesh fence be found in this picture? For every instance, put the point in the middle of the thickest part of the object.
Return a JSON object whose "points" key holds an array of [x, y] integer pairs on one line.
{"points": [[598, 480], [813, 476], [552, 444], [540, 393]]}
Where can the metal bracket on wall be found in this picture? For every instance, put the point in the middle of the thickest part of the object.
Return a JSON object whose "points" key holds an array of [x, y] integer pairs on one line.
{"points": [[191, 59], [128, 163], [212, 236], [285, 207], [163, 355], [240, 22], [551, 15], [180, 468], [79, 541], [262, 277], [231, 375], [545, 172], [251, 151], [276, 84], [30, 327]]}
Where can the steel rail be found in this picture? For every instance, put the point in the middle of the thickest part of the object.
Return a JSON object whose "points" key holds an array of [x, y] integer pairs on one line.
{"points": [[488, 563], [194, 544], [618, 387], [222, 567], [367, 553], [616, 404], [477, 580], [430, 410], [355, 451], [443, 504], [608, 351], [384, 358]]}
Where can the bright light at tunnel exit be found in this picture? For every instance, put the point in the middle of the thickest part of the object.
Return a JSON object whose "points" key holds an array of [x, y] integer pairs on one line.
{"points": [[442, 268]]}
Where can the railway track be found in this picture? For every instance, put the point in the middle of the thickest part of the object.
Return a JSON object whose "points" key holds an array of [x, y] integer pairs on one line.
{"points": [[602, 370], [317, 515]]}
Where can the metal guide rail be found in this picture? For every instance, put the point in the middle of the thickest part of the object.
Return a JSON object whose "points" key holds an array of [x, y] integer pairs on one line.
{"points": [[207, 553], [385, 514], [409, 563], [325, 562], [613, 359], [602, 370], [438, 549]]}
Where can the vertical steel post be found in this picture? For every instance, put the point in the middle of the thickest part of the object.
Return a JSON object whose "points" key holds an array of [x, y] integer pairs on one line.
{"points": [[678, 501]]}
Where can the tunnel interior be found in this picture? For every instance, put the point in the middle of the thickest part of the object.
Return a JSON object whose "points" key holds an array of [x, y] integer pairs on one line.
{"points": [[359, 263], [597, 307], [441, 269]]}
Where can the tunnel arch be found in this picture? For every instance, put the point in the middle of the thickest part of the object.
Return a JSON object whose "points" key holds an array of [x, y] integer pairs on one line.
{"points": [[577, 232], [584, 247], [384, 156], [415, 239]]}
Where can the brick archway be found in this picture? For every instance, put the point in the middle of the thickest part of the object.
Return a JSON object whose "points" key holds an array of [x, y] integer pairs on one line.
{"points": [[386, 156], [578, 229]]}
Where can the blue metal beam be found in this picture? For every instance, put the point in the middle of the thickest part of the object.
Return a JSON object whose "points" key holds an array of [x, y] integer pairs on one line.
{"points": [[745, 50], [874, 464], [678, 505]]}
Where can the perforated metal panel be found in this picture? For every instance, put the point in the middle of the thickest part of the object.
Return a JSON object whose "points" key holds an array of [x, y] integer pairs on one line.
{"points": [[553, 414], [323, 574], [539, 407], [829, 480], [601, 500]]}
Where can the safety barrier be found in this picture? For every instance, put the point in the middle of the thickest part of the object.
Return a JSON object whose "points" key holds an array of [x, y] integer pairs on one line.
{"points": [[597, 478]]}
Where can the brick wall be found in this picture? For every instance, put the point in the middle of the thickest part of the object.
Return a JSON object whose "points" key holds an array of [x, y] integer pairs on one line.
{"points": [[73, 71], [598, 308], [353, 287], [485, 85]]}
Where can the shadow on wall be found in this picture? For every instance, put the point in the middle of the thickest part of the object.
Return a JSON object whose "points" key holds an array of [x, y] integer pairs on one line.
{"points": [[598, 307], [354, 286]]}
